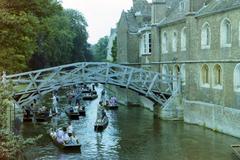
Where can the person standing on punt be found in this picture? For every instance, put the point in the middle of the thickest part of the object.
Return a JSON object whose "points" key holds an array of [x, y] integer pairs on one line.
{"points": [[70, 129], [55, 103]]}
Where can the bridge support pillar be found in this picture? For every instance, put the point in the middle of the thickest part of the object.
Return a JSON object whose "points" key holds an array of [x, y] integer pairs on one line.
{"points": [[156, 110], [173, 109]]}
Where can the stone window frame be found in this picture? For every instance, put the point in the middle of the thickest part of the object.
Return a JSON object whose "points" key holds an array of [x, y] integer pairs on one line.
{"points": [[183, 74], [205, 36], [145, 43], [217, 77], [183, 39], [164, 42], [205, 76], [236, 78], [239, 33], [225, 37], [165, 71], [174, 41], [176, 71]]}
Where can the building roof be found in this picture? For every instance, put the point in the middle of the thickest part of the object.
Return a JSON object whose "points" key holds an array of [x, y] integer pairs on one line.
{"points": [[138, 16], [216, 6], [173, 13]]}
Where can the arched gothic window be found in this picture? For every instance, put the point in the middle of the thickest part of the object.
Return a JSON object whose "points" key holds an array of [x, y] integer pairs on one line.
{"points": [[205, 36], [183, 74], [236, 79], [217, 80], [164, 42], [183, 39], [174, 41], [205, 75], [226, 33]]}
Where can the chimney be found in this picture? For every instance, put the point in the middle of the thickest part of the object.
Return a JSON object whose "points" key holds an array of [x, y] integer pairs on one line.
{"points": [[159, 9]]}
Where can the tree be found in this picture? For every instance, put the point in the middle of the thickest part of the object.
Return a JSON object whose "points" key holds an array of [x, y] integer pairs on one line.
{"points": [[19, 24], [78, 24], [17, 39], [57, 42], [100, 49], [39, 33], [11, 146], [63, 39]]}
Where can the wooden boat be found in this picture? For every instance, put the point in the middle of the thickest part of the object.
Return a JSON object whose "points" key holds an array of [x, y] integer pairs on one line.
{"points": [[112, 107], [236, 149], [43, 117], [66, 147], [89, 96], [27, 116], [110, 104], [27, 119], [74, 115], [86, 90], [101, 124]]}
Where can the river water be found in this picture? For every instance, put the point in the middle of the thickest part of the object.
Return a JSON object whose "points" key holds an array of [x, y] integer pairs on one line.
{"points": [[132, 134]]}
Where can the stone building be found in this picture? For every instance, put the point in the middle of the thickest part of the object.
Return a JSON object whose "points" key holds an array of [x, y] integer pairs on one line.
{"points": [[198, 41], [127, 28]]}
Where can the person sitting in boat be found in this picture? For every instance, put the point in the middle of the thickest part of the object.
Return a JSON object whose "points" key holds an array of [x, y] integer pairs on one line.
{"points": [[65, 136], [69, 129], [73, 139], [76, 108], [80, 107], [60, 134], [113, 101], [42, 109], [71, 110], [53, 133], [103, 113]]}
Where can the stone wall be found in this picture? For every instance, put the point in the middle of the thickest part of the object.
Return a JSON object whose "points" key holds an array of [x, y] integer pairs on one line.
{"points": [[216, 117]]}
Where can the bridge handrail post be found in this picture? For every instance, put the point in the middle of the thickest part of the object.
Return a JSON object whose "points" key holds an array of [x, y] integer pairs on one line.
{"points": [[151, 85], [129, 78]]}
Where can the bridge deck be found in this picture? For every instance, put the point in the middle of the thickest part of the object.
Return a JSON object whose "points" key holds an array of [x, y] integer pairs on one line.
{"points": [[153, 85]]}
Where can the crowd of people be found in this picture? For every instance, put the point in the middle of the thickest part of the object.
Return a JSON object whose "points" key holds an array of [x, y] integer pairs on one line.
{"points": [[65, 135]]}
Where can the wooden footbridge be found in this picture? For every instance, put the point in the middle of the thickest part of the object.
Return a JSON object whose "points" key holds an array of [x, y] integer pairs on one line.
{"points": [[30, 85]]}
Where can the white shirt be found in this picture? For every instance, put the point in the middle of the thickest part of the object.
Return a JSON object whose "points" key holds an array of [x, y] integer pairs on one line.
{"points": [[70, 129], [66, 137], [54, 100]]}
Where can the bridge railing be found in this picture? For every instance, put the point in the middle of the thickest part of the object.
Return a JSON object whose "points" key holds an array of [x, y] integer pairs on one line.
{"points": [[153, 85]]}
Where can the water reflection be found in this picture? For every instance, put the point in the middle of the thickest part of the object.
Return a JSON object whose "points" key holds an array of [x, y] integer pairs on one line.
{"points": [[132, 133]]}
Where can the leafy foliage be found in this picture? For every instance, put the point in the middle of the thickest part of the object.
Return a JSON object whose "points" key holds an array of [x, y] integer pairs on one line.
{"points": [[39, 33], [11, 146], [100, 49], [17, 37], [62, 39]]}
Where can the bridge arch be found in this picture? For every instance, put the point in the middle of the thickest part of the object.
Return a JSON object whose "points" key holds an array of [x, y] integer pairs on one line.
{"points": [[31, 84]]}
